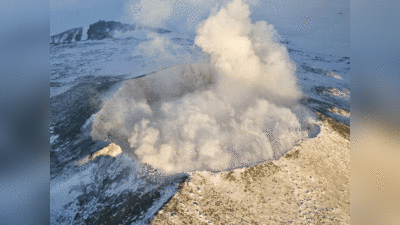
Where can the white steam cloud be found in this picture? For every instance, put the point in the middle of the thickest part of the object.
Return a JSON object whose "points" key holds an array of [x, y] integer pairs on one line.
{"points": [[182, 15], [237, 109], [151, 12], [159, 49]]}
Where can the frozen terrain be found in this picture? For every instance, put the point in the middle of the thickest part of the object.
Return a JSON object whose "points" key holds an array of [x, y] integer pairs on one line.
{"points": [[309, 185], [94, 184]]}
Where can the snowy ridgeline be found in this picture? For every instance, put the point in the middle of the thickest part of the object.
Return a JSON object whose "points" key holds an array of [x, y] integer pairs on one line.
{"points": [[102, 30], [68, 36]]}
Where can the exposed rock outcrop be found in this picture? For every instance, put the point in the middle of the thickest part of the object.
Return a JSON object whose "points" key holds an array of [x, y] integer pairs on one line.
{"points": [[105, 29], [102, 29], [99, 31], [68, 36]]}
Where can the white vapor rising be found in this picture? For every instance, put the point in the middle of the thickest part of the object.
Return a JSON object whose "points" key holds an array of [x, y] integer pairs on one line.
{"points": [[182, 15], [161, 50], [237, 109], [248, 55], [151, 12]]}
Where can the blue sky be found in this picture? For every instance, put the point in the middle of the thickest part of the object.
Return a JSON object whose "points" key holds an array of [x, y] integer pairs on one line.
{"points": [[283, 14], [81, 13]]}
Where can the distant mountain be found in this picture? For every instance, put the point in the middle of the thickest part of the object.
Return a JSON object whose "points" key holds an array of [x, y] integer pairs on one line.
{"points": [[68, 36], [101, 30]]}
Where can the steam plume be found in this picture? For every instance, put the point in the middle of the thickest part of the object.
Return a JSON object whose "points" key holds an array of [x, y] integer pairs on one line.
{"points": [[237, 109]]}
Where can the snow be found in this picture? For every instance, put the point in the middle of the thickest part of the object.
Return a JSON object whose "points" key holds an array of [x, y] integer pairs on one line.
{"points": [[137, 34], [53, 138], [62, 193], [115, 57], [341, 112]]}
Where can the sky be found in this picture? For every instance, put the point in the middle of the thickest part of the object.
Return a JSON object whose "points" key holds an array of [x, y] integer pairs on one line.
{"points": [[325, 24], [67, 15]]}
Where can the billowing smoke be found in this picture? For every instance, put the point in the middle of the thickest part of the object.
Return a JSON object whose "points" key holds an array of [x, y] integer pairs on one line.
{"points": [[159, 51], [151, 12], [236, 109], [249, 57]]}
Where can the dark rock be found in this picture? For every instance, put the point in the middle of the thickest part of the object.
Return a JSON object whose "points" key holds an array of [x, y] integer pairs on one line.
{"points": [[310, 69], [162, 31], [99, 31], [102, 29], [68, 36]]}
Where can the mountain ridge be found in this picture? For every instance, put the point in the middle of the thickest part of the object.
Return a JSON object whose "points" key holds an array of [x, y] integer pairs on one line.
{"points": [[100, 30], [68, 36]]}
